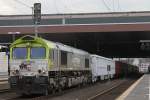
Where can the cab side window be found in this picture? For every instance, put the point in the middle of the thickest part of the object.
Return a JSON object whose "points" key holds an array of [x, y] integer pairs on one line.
{"points": [[63, 58], [86, 63], [51, 54]]}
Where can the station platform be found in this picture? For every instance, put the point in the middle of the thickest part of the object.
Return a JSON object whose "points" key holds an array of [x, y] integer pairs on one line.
{"points": [[140, 90]]}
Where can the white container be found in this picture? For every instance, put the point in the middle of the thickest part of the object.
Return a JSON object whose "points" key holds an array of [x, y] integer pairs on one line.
{"points": [[102, 68]]}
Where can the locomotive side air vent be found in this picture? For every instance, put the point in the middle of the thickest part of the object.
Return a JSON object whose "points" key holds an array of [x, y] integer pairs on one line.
{"points": [[28, 37]]}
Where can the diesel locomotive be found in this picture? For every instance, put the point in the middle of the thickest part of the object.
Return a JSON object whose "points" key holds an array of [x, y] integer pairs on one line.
{"points": [[39, 66]]}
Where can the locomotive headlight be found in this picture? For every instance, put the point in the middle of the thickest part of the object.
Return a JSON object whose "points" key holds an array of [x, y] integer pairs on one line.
{"points": [[39, 71], [14, 72], [43, 71], [42, 67], [17, 71]]}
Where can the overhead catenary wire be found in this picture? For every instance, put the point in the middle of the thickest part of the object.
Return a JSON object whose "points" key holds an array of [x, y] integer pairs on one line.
{"points": [[22, 3], [66, 6], [56, 7], [119, 7], [113, 5], [17, 8], [71, 9], [105, 4], [13, 6]]}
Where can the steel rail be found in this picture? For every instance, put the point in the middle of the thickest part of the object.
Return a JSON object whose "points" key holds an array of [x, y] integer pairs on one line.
{"points": [[105, 91]]}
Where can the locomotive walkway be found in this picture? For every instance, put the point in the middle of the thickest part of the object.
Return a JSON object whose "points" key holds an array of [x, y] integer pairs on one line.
{"points": [[140, 90]]}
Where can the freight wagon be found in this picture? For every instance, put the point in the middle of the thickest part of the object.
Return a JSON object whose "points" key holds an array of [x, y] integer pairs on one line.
{"points": [[126, 70], [102, 68]]}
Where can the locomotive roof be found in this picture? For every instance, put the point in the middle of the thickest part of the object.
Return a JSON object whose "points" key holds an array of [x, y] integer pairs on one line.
{"points": [[94, 55], [64, 47], [50, 44]]}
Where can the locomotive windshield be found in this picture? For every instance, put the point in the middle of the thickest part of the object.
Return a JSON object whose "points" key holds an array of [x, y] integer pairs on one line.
{"points": [[38, 53], [20, 53]]}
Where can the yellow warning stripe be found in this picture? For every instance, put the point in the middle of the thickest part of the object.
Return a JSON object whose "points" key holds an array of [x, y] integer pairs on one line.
{"points": [[128, 91]]}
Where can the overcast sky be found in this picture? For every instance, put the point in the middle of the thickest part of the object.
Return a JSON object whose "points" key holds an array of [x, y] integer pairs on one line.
{"points": [[8, 7]]}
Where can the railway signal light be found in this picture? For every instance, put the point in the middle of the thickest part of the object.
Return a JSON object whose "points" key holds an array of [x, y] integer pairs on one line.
{"points": [[37, 13]]}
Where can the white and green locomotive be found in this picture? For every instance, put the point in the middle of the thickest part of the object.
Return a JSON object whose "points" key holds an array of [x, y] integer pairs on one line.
{"points": [[41, 66]]}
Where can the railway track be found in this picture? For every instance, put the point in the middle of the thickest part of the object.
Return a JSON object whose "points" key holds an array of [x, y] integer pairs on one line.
{"points": [[105, 91], [113, 92], [57, 95]]}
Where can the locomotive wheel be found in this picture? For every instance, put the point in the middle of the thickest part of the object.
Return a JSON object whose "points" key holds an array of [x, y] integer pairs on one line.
{"points": [[24, 95], [60, 90], [46, 92], [79, 85], [53, 89]]}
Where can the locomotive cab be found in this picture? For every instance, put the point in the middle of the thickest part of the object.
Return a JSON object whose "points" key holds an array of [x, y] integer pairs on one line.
{"points": [[28, 66]]}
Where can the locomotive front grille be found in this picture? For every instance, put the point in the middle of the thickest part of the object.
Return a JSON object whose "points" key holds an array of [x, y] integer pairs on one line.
{"points": [[27, 84]]}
